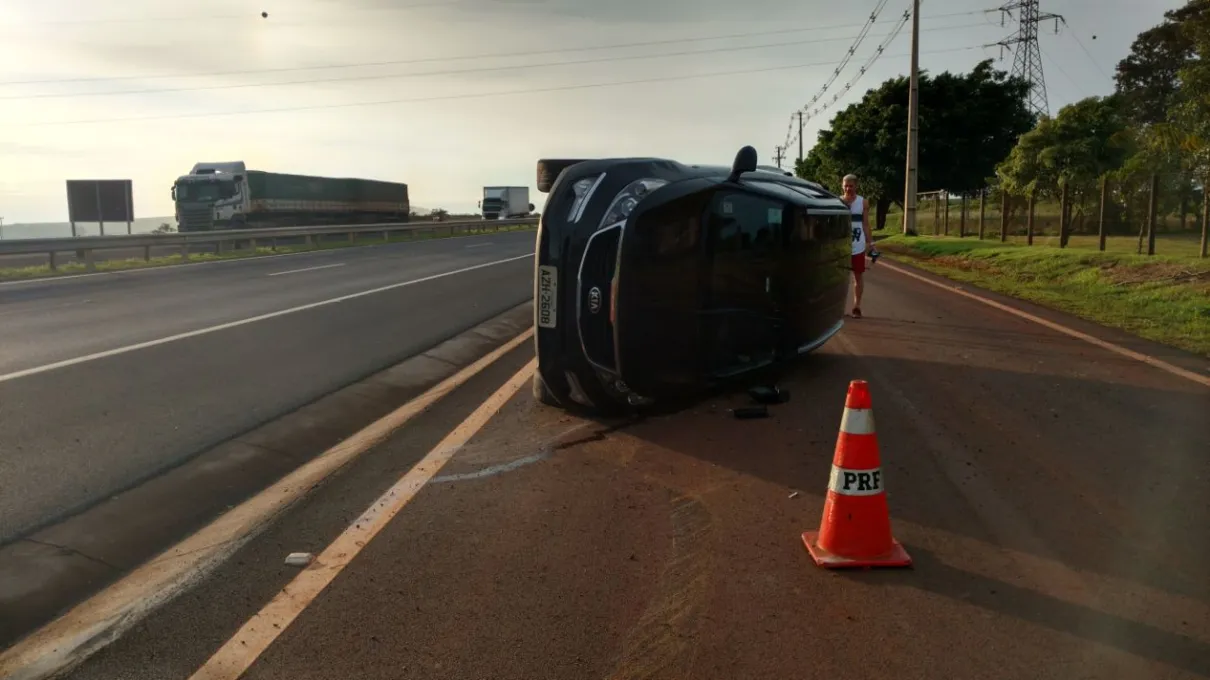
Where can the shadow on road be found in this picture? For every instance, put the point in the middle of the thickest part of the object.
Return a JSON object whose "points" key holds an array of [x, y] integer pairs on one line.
{"points": [[932, 574], [1084, 477]]}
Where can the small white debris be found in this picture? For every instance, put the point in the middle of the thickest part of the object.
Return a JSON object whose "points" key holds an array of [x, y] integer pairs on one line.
{"points": [[299, 559], [794, 495]]}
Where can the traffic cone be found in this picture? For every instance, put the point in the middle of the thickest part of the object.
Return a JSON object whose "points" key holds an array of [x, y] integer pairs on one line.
{"points": [[856, 527]]}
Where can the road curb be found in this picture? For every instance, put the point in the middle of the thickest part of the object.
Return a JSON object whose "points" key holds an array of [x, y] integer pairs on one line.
{"points": [[49, 571]]}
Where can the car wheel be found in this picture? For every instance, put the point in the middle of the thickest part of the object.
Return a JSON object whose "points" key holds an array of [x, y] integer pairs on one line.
{"points": [[542, 393], [549, 170]]}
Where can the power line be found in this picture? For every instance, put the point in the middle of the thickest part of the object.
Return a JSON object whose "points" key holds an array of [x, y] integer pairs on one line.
{"points": [[864, 68], [1055, 62], [1027, 56], [1082, 47], [205, 17], [490, 55], [395, 76], [476, 95], [843, 62]]}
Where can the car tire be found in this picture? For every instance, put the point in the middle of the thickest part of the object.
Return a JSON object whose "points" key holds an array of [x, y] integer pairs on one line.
{"points": [[549, 170], [542, 393]]}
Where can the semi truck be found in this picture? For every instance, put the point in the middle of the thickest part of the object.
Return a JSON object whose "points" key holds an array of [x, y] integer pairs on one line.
{"points": [[230, 196], [505, 203]]}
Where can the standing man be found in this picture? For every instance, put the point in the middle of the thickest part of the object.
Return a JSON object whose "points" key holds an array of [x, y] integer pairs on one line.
{"points": [[861, 235]]}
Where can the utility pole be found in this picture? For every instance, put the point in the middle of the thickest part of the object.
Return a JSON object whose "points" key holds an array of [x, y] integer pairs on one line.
{"points": [[913, 137], [1027, 55], [799, 137], [780, 155]]}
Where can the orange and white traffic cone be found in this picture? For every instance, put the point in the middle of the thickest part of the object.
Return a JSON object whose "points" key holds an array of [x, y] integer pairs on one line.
{"points": [[856, 527]]}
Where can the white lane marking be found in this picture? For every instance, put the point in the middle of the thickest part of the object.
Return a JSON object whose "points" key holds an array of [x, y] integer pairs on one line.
{"points": [[1117, 349], [478, 245], [103, 618], [233, 324], [307, 269], [255, 636]]}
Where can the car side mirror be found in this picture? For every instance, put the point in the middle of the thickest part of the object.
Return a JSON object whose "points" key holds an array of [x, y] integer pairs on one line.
{"points": [[745, 161]]}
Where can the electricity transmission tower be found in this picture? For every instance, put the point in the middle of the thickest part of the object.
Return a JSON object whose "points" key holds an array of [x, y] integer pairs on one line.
{"points": [[1027, 56]]}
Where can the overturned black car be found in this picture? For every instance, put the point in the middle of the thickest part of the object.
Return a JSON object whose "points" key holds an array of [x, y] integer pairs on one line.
{"points": [[655, 280]]}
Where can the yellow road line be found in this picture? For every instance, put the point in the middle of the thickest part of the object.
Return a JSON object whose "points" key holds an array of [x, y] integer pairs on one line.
{"points": [[246, 646], [103, 618], [1118, 349]]}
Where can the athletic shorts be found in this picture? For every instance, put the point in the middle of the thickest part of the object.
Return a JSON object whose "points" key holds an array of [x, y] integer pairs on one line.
{"points": [[859, 263]]}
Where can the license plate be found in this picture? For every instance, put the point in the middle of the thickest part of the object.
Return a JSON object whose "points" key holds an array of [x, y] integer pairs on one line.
{"points": [[548, 295]]}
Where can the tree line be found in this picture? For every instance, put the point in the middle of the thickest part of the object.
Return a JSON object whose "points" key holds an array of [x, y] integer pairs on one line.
{"points": [[977, 132]]}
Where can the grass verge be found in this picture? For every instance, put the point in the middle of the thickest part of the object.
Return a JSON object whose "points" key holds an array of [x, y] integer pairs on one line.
{"points": [[1161, 298], [74, 268]]}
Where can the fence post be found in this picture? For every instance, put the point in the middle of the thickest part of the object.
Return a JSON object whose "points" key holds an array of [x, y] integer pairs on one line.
{"points": [[1064, 206], [1029, 221], [962, 216], [1205, 213], [1005, 202], [1104, 203], [1152, 208], [937, 214], [982, 210], [945, 196]]}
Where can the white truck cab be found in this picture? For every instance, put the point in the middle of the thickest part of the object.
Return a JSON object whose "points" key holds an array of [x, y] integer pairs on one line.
{"points": [[212, 195]]}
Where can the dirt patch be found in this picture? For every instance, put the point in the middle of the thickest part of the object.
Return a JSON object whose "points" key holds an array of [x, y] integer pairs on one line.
{"points": [[1153, 272]]}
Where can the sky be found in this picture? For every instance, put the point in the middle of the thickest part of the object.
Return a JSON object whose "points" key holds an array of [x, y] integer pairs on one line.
{"points": [[452, 95]]}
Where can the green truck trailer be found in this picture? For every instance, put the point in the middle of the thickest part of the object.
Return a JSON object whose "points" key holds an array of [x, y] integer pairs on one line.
{"points": [[229, 196]]}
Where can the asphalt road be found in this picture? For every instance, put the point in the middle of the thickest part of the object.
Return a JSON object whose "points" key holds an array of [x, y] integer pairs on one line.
{"points": [[75, 431], [1052, 495]]}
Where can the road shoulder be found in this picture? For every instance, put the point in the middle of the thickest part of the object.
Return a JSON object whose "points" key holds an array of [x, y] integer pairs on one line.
{"points": [[1166, 353]]}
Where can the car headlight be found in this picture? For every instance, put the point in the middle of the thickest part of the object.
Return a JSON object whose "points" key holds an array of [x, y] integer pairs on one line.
{"points": [[624, 203], [582, 189]]}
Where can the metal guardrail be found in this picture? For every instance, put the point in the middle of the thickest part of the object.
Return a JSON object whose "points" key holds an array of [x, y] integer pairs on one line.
{"points": [[84, 246]]}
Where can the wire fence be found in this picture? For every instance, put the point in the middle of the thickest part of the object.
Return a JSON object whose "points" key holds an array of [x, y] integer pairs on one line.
{"points": [[1136, 216]]}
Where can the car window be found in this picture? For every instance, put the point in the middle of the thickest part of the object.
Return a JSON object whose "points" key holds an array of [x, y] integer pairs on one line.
{"points": [[740, 222], [809, 229], [671, 231]]}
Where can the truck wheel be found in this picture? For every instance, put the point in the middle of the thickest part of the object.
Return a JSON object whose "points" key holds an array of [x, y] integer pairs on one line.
{"points": [[549, 170]]}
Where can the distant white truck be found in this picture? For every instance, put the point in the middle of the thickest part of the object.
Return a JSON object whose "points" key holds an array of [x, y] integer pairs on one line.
{"points": [[502, 203]]}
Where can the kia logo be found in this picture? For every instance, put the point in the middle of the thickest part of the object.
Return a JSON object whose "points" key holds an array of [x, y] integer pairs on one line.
{"points": [[594, 300]]}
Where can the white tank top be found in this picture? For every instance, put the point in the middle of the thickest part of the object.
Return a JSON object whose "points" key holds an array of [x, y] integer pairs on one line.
{"points": [[856, 209]]}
